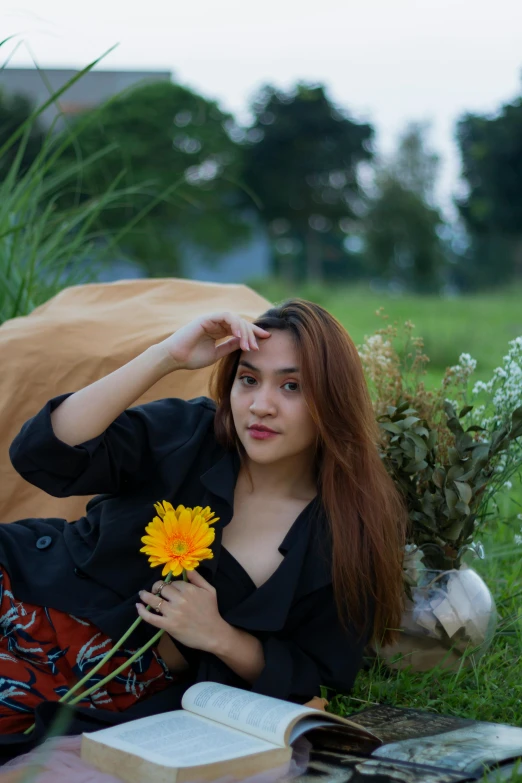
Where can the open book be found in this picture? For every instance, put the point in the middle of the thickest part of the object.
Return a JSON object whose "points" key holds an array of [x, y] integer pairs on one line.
{"points": [[219, 732], [228, 732], [417, 747]]}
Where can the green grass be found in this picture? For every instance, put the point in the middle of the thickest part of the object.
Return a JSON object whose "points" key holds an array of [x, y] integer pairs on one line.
{"points": [[480, 325], [492, 689]]}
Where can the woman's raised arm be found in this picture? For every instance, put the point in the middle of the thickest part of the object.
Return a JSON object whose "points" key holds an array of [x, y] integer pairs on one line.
{"points": [[88, 412]]}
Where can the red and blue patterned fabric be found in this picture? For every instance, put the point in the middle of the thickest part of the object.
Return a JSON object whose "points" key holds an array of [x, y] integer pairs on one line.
{"points": [[44, 652]]}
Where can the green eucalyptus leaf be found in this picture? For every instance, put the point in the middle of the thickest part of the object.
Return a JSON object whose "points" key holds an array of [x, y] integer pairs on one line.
{"points": [[453, 456], [449, 410], [517, 414], [467, 475], [468, 529], [420, 453], [464, 441], [427, 505], [407, 447], [415, 467], [455, 426], [453, 532], [497, 438], [417, 440], [454, 472], [464, 490], [389, 426], [516, 423], [516, 432], [438, 477], [451, 498], [409, 421], [462, 508], [480, 454]]}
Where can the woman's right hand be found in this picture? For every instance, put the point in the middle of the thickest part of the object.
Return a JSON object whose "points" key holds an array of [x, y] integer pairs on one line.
{"points": [[194, 345]]}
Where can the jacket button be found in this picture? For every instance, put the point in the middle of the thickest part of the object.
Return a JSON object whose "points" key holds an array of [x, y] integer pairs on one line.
{"points": [[80, 574], [43, 542]]}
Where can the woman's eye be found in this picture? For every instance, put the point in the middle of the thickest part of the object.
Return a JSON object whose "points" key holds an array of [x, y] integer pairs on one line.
{"points": [[244, 380]]}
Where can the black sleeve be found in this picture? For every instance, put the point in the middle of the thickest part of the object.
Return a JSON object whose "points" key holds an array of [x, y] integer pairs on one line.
{"points": [[319, 652], [135, 442]]}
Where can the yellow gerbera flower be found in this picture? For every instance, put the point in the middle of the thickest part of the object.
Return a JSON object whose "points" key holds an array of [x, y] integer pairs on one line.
{"points": [[178, 539], [206, 513]]}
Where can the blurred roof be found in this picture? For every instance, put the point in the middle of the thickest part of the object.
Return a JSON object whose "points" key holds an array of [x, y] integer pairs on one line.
{"points": [[92, 88]]}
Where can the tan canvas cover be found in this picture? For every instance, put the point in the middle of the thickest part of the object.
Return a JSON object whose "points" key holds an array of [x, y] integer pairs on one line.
{"points": [[82, 334]]}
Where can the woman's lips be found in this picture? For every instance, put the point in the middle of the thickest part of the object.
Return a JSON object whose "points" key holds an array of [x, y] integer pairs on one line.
{"points": [[262, 434]]}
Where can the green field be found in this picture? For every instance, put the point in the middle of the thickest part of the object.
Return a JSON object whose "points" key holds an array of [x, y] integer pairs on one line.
{"points": [[481, 326]]}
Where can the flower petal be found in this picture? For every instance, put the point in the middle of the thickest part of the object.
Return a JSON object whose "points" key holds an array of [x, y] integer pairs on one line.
{"points": [[178, 538]]}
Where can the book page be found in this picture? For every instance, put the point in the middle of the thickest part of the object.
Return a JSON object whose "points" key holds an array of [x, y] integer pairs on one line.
{"points": [[464, 750], [253, 713], [179, 739], [328, 767], [307, 724], [393, 724]]}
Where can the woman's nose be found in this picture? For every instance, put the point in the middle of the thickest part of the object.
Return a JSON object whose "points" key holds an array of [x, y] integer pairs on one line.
{"points": [[262, 403]]}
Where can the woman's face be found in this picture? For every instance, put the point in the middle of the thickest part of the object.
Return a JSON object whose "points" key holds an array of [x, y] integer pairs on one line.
{"points": [[267, 392]]}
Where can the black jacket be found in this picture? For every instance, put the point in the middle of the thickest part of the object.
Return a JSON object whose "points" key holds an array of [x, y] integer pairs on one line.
{"points": [[167, 450]]}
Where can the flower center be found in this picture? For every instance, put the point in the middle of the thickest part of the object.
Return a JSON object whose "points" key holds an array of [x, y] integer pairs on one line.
{"points": [[178, 547]]}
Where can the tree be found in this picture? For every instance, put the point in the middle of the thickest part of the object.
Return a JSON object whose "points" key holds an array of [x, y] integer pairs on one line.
{"points": [[301, 159], [491, 152], [177, 146], [14, 111], [402, 224]]}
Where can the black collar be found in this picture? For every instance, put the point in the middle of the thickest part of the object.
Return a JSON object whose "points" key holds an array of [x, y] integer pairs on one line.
{"points": [[305, 567], [221, 478]]}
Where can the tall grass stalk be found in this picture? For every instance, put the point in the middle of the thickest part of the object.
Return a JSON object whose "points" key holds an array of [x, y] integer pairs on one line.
{"points": [[45, 247]]}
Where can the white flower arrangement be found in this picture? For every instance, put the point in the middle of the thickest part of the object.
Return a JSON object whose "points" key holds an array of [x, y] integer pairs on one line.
{"points": [[453, 450], [504, 395]]}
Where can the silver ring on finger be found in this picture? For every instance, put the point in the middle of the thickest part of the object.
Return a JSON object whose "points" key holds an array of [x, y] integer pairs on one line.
{"points": [[160, 589]]}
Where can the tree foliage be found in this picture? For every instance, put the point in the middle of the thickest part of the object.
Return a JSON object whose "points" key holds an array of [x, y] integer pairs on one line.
{"points": [[402, 224], [14, 111], [176, 146], [491, 152], [301, 160]]}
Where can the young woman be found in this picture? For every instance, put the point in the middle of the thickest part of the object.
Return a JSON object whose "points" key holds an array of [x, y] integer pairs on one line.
{"points": [[306, 566]]}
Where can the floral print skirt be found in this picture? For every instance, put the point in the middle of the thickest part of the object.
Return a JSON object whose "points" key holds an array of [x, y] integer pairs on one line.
{"points": [[44, 652]]}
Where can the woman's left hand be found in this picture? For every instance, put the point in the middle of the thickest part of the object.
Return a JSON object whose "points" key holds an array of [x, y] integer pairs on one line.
{"points": [[188, 611]]}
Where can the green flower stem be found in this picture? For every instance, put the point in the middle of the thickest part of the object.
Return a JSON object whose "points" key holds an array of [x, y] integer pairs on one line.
{"points": [[123, 666], [99, 665], [108, 656]]}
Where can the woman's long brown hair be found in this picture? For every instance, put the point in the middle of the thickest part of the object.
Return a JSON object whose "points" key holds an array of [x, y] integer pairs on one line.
{"points": [[366, 513]]}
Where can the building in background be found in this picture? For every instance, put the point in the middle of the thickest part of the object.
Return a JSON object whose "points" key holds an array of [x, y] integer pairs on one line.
{"points": [[92, 89]]}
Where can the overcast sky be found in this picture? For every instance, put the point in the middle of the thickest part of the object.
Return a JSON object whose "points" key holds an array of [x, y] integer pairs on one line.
{"points": [[387, 61]]}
